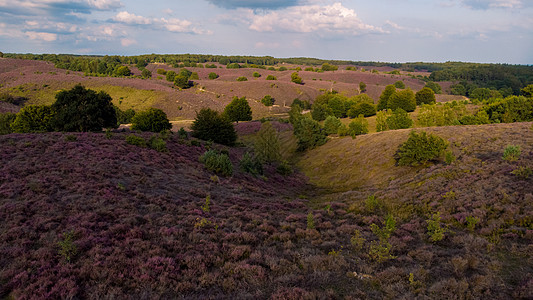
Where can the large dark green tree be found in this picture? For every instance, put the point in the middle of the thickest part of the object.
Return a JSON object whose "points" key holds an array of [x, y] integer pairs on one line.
{"points": [[238, 110], [383, 102], [425, 96], [210, 125], [81, 109], [404, 99]]}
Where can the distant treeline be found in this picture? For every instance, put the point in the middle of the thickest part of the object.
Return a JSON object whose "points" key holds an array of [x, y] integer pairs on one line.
{"points": [[492, 76]]}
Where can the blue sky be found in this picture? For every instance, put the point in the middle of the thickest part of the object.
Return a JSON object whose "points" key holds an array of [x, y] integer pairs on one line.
{"points": [[496, 31]]}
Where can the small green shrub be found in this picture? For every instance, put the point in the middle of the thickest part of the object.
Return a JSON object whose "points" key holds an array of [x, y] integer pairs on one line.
{"points": [[205, 207], [213, 75], [523, 172], [511, 153], [218, 163], [419, 149], [157, 144], [271, 77], [251, 164], [284, 168], [71, 138], [267, 100], [67, 248], [182, 134], [435, 231], [5, 122], [256, 75], [135, 140], [357, 240], [310, 221], [242, 78], [33, 118], [449, 157]]}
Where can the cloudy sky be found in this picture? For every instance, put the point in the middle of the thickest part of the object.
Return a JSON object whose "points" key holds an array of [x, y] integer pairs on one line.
{"points": [[498, 31]]}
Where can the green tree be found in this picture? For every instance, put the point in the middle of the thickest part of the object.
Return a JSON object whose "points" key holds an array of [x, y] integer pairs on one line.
{"points": [[33, 118], [425, 96], [527, 91], [123, 71], [309, 134], [480, 94], [458, 89], [358, 126], [320, 111], [238, 110], [194, 76], [171, 75], [185, 73], [296, 79], [362, 87], [146, 73], [209, 125], [435, 87], [267, 145], [381, 120], [383, 102], [420, 148], [124, 117], [81, 109], [332, 124], [404, 99], [154, 120], [182, 82], [399, 119], [366, 109], [328, 67], [399, 84], [213, 75]]}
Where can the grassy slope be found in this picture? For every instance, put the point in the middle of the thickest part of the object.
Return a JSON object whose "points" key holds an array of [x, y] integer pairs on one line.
{"points": [[367, 161]]}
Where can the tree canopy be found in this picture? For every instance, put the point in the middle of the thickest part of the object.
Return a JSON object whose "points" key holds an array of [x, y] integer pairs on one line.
{"points": [[238, 110], [210, 125], [81, 109]]}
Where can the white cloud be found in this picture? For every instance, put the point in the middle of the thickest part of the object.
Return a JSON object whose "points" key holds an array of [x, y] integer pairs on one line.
{"points": [[324, 19], [172, 24], [126, 17], [127, 42], [487, 4], [45, 36], [105, 4]]}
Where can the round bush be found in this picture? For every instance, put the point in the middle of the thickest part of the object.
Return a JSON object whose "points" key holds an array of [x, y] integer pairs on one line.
{"points": [[420, 148], [154, 120]]}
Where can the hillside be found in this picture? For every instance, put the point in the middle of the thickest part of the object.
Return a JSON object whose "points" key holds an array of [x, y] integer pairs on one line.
{"points": [[86, 216], [39, 81]]}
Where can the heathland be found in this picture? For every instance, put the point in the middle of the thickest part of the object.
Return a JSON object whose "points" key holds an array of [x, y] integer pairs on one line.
{"points": [[351, 181]]}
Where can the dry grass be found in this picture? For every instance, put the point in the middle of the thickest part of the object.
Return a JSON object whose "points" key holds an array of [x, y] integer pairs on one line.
{"points": [[367, 161]]}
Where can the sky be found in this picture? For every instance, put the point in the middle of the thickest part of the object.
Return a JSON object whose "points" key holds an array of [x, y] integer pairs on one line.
{"points": [[487, 31]]}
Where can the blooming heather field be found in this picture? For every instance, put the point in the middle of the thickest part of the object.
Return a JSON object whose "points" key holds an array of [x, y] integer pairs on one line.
{"points": [[39, 81], [85, 216]]}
